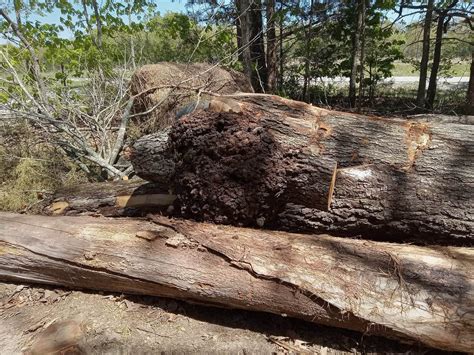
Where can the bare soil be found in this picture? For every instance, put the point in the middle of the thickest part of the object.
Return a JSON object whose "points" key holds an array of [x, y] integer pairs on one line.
{"points": [[40, 320]]}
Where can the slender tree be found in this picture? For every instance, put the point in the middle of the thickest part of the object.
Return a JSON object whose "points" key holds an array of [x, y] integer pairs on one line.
{"points": [[442, 23], [470, 89], [98, 22], [281, 49], [355, 52], [252, 44], [308, 31], [272, 60], [425, 55], [364, 5]]}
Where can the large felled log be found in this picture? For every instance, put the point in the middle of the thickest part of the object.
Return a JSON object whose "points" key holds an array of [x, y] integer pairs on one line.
{"points": [[253, 159], [403, 291], [114, 198]]}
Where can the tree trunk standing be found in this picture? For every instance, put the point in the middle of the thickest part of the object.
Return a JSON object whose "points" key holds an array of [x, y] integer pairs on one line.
{"points": [[364, 6], [431, 94], [272, 59], [307, 59], [400, 291], [443, 21], [132, 44], [281, 58], [238, 28], [355, 54], [253, 49], [98, 22], [243, 6], [425, 55], [258, 46], [470, 89], [254, 159]]}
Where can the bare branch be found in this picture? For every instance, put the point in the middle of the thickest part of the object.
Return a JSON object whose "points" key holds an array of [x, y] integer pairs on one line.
{"points": [[121, 133]]}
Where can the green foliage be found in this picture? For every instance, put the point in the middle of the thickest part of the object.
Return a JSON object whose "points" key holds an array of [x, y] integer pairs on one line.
{"points": [[177, 37], [329, 48]]}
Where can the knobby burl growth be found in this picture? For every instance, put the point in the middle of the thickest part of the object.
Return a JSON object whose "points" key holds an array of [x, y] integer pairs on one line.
{"points": [[229, 168]]}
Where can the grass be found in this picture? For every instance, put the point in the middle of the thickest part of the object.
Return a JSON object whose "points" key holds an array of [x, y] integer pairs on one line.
{"points": [[460, 68]]}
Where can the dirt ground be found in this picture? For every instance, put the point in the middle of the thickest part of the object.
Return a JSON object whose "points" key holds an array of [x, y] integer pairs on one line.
{"points": [[35, 320]]}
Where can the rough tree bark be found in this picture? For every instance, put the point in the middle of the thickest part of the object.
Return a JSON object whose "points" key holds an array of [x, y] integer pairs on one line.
{"points": [[425, 54], [401, 291], [254, 159]]}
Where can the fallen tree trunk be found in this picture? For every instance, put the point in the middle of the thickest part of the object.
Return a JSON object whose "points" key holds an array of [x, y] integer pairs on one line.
{"points": [[251, 159], [408, 292], [112, 199]]}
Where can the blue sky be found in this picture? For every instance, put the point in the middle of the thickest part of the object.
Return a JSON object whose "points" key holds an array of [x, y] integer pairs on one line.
{"points": [[162, 7]]}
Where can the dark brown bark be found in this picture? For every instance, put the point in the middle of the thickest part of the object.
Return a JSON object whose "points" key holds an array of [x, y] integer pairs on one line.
{"points": [[425, 55], [470, 90], [431, 94], [256, 159], [115, 198], [399, 291], [253, 50], [444, 17], [280, 47], [271, 48], [238, 27]]}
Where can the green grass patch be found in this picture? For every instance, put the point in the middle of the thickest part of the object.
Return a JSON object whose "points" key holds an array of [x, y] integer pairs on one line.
{"points": [[460, 68]]}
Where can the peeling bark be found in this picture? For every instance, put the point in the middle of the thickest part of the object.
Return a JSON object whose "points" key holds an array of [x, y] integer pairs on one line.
{"points": [[254, 159], [423, 294]]}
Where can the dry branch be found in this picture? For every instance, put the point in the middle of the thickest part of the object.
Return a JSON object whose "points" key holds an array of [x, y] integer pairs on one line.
{"points": [[408, 292]]}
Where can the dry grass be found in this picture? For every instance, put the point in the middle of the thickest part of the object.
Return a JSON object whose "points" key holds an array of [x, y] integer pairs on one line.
{"points": [[30, 169]]}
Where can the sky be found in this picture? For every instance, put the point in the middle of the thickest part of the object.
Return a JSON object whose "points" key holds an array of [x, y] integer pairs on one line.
{"points": [[162, 7]]}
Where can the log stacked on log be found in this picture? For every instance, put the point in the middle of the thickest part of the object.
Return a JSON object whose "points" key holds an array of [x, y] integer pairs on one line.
{"points": [[261, 160], [423, 294]]}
